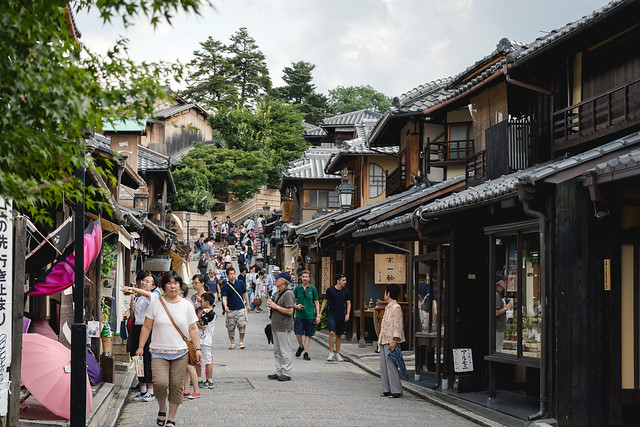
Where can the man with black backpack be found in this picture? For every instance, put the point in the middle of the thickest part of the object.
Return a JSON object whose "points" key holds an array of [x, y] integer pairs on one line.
{"points": [[282, 307]]}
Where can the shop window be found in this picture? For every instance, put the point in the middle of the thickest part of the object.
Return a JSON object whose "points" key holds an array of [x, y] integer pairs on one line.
{"points": [[377, 180], [516, 256]]}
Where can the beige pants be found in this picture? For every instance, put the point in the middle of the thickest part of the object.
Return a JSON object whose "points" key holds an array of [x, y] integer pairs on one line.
{"points": [[169, 374]]}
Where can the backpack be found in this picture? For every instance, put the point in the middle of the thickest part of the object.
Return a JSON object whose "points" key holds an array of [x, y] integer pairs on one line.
{"points": [[249, 250], [241, 258]]}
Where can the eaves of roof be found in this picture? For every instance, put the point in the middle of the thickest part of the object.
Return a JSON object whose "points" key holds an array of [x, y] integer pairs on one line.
{"points": [[177, 109], [621, 167], [393, 225], [335, 163], [138, 126], [349, 119]]}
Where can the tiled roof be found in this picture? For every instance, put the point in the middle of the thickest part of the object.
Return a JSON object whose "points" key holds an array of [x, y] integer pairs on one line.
{"points": [[398, 223], [357, 147], [350, 119], [149, 160], [624, 166], [175, 109], [507, 185], [310, 165], [315, 132], [568, 30]]}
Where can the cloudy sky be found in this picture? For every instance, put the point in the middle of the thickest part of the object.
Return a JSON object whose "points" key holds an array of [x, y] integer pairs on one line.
{"points": [[392, 45]]}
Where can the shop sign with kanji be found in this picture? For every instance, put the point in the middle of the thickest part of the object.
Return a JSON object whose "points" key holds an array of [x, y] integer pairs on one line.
{"points": [[390, 268], [6, 298]]}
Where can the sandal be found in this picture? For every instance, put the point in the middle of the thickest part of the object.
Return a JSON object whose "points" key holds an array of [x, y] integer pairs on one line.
{"points": [[242, 346], [386, 394], [160, 422], [173, 423], [232, 347]]}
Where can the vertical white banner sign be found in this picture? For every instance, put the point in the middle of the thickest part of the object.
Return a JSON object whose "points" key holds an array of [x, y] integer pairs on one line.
{"points": [[6, 298]]}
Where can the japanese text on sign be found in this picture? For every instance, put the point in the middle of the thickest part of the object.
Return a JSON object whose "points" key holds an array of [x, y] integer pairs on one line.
{"points": [[6, 298], [390, 268], [462, 360], [326, 273]]}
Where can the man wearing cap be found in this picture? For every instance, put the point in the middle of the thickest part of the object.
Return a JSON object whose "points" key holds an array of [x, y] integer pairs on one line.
{"points": [[282, 307], [501, 311], [337, 296]]}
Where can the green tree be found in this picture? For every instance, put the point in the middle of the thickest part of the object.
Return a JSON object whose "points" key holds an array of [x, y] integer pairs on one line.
{"points": [[241, 128], [300, 91], [345, 99], [225, 170], [250, 74], [210, 79], [53, 90], [194, 194]]}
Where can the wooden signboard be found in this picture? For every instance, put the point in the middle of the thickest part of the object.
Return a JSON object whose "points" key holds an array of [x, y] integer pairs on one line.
{"points": [[390, 268], [326, 273]]}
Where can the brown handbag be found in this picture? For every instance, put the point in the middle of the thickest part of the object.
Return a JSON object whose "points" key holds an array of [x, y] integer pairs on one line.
{"points": [[192, 350]]}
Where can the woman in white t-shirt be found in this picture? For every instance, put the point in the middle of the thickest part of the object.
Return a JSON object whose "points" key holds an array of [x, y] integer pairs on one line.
{"points": [[168, 351]]}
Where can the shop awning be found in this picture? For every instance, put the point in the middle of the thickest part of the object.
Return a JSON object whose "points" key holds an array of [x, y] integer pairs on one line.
{"points": [[178, 221]]}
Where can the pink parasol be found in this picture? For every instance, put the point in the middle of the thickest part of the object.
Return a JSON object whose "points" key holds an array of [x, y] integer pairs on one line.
{"points": [[61, 275], [46, 373]]}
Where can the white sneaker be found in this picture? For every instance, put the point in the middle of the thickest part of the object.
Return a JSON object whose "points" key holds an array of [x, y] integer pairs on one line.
{"points": [[339, 358], [331, 356], [148, 397], [138, 396]]}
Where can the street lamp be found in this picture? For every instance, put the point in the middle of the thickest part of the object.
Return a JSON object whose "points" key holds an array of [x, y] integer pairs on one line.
{"points": [[345, 191], [187, 218], [265, 209], [277, 232]]}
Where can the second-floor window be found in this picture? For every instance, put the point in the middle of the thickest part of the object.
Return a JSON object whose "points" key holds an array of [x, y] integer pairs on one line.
{"points": [[459, 136], [377, 180], [324, 199]]}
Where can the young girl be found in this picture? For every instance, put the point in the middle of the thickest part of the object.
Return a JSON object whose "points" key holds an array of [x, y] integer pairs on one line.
{"points": [[146, 293], [191, 375], [206, 323]]}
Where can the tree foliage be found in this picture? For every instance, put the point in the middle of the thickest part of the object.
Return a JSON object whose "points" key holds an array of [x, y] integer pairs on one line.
{"points": [[300, 91], [54, 90], [195, 192], [345, 99], [223, 170], [225, 75]]}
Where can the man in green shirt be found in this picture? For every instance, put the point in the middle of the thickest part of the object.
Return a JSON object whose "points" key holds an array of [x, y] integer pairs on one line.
{"points": [[307, 309]]}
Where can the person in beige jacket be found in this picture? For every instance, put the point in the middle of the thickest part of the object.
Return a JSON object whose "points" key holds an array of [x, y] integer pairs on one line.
{"points": [[391, 334]]}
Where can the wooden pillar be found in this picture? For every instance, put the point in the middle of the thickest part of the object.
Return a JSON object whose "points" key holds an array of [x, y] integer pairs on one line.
{"points": [[19, 242], [362, 342]]}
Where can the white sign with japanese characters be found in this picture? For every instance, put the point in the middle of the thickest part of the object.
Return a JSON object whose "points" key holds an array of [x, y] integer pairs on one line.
{"points": [[6, 289], [462, 360]]}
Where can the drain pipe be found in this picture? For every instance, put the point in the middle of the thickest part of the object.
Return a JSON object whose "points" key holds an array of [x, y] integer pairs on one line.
{"points": [[410, 284], [526, 194]]}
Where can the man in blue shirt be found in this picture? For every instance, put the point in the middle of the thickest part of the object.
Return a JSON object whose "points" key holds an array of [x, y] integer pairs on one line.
{"points": [[337, 296], [235, 303]]}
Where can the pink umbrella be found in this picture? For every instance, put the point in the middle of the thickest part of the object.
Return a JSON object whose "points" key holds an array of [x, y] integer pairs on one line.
{"points": [[46, 373], [61, 275]]}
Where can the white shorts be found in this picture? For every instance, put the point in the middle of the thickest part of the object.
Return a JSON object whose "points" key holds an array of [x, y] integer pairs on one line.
{"points": [[207, 358]]}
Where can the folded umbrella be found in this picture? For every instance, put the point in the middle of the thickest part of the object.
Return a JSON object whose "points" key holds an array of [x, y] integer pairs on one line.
{"points": [[61, 275], [396, 357], [46, 373]]}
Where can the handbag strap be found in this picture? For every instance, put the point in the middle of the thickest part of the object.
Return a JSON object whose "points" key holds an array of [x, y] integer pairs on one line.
{"points": [[184, 338], [234, 290]]}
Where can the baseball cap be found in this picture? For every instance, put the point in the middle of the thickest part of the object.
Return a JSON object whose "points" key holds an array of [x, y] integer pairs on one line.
{"points": [[500, 278], [284, 275]]}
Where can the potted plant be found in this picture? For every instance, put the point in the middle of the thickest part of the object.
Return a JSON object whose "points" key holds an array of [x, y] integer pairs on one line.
{"points": [[105, 330]]}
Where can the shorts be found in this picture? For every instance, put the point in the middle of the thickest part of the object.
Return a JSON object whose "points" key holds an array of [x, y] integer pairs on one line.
{"points": [[207, 358], [304, 327], [236, 318], [336, 325]]}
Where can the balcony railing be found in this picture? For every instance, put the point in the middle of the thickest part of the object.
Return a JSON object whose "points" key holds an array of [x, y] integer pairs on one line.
{"points": [[611, 112], [444, 153], [476, 169], [396, 181], [511, 146]]}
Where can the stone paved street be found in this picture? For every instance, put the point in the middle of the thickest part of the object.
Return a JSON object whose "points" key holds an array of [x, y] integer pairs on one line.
{"points": [[320, 393]]}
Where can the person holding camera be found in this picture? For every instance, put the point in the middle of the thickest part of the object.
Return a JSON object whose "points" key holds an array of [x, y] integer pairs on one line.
{"points": [[501, 311], [282, 307]]}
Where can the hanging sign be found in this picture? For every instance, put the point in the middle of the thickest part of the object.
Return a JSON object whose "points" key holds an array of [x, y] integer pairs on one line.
{"points": [[390, 268], [607, 274], [326, 273], [6, 299]]}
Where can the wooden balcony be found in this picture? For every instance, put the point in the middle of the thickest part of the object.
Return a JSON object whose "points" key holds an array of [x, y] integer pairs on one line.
{"points": [[476, 169], [396, 181], [611, 114], [448, 153]]}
